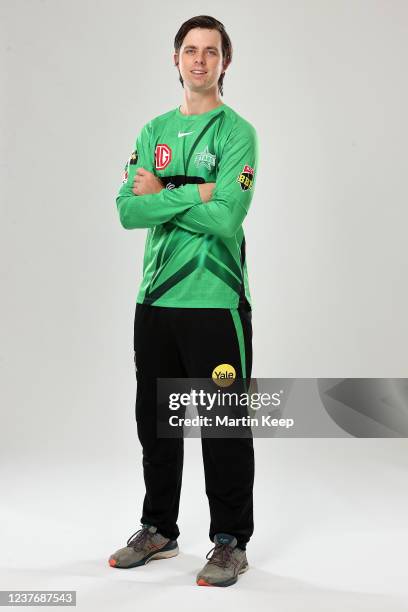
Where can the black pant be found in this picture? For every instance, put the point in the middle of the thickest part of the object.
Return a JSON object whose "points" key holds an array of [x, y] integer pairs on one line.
{"points": [[190, 343]]}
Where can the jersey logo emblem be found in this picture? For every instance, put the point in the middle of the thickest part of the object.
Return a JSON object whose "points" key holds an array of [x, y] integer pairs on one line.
{"points": [[246, 178], [205, 158], [162, 156], [180, 134]]}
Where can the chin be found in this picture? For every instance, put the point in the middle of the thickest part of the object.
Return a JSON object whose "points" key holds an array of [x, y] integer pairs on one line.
{"points": [[194, 87]]}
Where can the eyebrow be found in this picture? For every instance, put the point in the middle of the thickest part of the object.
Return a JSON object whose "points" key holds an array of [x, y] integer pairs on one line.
{"points": [[194, 47]]}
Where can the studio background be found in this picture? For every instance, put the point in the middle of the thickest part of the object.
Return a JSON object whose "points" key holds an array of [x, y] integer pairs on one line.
{"points": [[324, 83]]}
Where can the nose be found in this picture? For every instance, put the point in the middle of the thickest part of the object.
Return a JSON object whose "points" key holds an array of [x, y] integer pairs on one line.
{"points": [[199, 59]]}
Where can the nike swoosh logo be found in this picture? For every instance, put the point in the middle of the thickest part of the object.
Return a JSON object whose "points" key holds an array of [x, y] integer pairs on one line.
{"points": [[180, 134]]}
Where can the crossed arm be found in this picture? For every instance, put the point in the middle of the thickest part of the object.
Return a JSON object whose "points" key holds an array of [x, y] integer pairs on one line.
{"points": [[154, 204], [205, 208], [146, 183]]}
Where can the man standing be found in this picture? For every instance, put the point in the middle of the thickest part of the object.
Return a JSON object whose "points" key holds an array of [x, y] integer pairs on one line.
{"points": [[190, 180]]}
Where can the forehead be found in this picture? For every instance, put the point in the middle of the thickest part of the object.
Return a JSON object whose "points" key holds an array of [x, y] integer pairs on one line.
{"points": [[201, 37]]}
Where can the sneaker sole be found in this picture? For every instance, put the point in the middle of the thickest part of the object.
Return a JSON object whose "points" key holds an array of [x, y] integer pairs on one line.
{"points": [[160, 554], [226, 583]]}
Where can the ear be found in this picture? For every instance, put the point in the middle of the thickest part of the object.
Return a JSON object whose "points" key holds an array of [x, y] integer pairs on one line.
{"points": [[225, 66], [175, 59]]}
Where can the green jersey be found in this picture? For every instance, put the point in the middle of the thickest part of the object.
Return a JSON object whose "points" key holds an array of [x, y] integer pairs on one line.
{"points": [[195, 251]]}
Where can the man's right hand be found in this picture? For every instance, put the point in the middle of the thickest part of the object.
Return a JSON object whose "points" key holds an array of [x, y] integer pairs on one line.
{"points": [[206, 190]]}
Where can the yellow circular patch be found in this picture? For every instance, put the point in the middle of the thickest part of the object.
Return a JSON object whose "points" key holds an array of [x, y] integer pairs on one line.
{"points": [[224, 375]]}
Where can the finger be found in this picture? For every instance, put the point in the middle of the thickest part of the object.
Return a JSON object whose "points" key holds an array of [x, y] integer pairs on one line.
{"points": [[141, 171]]}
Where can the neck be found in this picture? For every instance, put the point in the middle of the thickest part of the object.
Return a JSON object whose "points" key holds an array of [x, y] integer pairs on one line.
{"points": [[195, 103]]}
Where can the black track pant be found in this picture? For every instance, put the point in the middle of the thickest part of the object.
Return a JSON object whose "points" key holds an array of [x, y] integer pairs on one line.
{"points": [[190, 343]]}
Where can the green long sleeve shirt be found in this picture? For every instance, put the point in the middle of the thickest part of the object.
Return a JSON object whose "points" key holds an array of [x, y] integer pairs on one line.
{"points": [[195, 251]]}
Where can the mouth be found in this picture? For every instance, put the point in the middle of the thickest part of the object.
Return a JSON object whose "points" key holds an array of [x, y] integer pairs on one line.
{"points": [[198, 72]]}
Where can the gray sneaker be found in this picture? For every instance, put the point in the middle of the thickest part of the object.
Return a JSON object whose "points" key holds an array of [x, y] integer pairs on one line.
{"points": [[226, 563], [143, 546]]}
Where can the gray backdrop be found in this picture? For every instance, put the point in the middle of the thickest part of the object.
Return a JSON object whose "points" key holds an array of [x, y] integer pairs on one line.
{"points": [[325, 85]]}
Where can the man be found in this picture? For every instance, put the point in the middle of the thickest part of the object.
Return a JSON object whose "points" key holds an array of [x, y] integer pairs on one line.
{"points": [[190, 180]]}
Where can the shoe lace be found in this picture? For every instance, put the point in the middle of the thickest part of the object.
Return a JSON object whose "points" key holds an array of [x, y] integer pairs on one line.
{"points": [[138, 539], [221, 555]]}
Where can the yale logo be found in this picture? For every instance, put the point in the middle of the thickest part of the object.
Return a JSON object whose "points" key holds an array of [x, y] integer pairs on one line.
{"points": [[224, 375]]}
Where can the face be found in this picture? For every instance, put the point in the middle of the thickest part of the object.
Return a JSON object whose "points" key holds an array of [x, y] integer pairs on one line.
{"points": [[200, 59]]}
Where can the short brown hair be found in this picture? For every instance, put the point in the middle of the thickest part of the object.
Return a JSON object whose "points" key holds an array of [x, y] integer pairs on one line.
{"points": [[210, 23]]}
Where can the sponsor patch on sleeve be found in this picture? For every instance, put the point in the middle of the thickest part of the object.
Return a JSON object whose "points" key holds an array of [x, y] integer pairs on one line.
{"points": [[133, 158], [125, 173], [130, 162], [246, 178]]}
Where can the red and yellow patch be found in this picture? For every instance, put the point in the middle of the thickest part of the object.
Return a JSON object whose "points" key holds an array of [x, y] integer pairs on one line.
{"points": [[246, 178]]}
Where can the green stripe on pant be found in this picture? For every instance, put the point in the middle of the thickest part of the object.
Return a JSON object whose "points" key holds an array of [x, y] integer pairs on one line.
{"points": [[240, 338]]}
